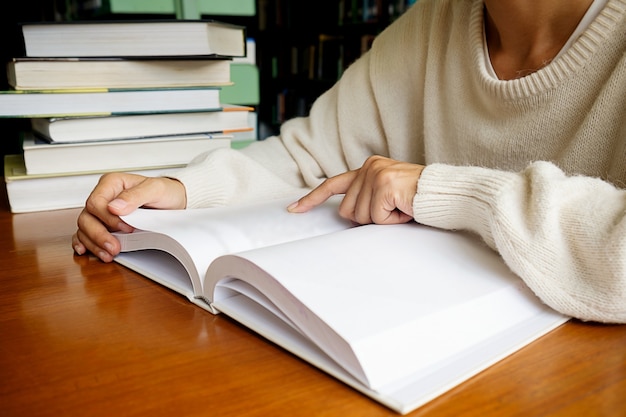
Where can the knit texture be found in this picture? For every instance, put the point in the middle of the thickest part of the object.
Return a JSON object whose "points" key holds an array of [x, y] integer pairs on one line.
{"points": [[536, 166]]}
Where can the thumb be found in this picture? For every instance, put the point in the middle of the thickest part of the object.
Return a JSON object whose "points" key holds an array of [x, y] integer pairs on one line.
{"points": [[157, 192], [121, 207]]}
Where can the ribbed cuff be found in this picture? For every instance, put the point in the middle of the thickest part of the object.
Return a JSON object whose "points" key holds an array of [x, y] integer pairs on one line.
{"points": [[459, 198]]}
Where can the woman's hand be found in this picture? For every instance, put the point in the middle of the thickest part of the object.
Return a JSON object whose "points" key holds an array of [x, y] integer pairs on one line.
{"points": [[381, 191], [115, 195]]}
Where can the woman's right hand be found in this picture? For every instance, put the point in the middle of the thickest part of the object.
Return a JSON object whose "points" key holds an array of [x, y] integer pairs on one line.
{"points": [[115, 195]]}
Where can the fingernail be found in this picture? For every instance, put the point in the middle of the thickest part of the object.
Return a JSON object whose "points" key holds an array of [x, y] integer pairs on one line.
{"points": [[292, 206], [79, 249], [108, 246], [118, 204], [105, 256]]}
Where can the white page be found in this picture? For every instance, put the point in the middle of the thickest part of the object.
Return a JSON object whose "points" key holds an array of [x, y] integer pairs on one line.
{"points": [[208, 233], [403, 297], [160, 267], [416, 389]]}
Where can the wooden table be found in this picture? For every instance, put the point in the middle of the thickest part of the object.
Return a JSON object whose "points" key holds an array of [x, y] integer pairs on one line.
{"points": [[84, 338]]}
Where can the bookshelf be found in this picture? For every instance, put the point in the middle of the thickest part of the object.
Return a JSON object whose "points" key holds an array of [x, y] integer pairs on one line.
{"points": [[306, 46]]}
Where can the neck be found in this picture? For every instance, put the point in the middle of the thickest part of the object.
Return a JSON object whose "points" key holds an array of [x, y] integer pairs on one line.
{"points": [[524, 36]]}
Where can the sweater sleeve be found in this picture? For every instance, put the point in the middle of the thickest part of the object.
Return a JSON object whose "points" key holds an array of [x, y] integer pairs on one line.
{"points": [[342, 129], [286, 165], [564, 236], [227, 176]]}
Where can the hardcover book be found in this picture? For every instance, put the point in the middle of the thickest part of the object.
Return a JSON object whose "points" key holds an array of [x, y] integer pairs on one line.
{"points": [[227, 119], [102, 101], [32, 193], [47, 158], [401, 313], [86, 73], [134, 38]]}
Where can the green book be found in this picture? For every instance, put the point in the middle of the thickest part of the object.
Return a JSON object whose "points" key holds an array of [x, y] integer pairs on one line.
{"points": [[202, 7]]}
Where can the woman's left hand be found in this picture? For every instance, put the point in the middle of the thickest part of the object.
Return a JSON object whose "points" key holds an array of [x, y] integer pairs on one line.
{"points": [[381, 192]]}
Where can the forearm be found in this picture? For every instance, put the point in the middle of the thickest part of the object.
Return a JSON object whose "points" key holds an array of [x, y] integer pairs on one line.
{"points": [[564, 236]]}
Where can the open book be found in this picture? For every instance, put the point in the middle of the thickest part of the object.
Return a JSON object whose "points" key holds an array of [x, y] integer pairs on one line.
{"points": [[402, 313]]}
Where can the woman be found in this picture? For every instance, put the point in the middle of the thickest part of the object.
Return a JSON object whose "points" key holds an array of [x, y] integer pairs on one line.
{"points": [[503, 117]]}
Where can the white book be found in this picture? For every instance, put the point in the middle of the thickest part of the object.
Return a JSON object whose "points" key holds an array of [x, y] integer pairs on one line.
{"points": [[85, 73], [401, 313], [134, 38], [31, 193], [228, 120], [104, 102], [44, 158]]}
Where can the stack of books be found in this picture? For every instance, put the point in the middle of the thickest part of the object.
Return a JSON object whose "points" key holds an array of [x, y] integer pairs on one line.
{"points": [[103, 96]]}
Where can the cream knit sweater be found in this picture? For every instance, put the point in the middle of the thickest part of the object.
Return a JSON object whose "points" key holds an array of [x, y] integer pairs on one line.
{"points": [[535, 166]]}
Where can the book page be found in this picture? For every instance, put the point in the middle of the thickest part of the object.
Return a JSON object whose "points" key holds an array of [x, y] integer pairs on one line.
{"points": [[197, 236], [407, 393], [386, 302]]}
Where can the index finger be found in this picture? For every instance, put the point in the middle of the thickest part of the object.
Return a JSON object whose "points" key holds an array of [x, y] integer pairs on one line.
{"points": [[338, 184]]}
